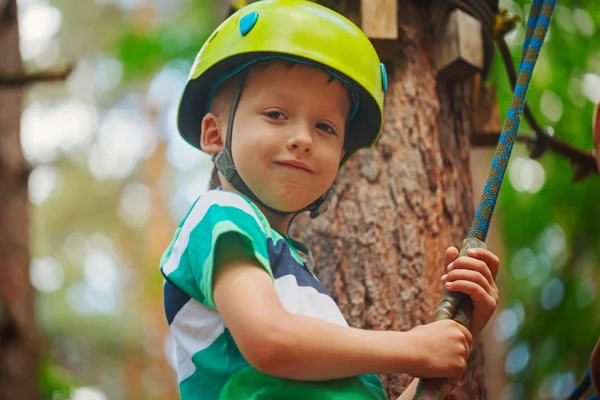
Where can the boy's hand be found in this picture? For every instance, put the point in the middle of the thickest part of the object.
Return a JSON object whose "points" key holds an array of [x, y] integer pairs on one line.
{"points": [[474, 276], [442, 349]]}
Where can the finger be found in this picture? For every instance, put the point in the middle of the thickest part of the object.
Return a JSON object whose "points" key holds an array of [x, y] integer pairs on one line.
{"points": [[467, 263], [467, 353], [468, 336], [492, 261], [451, 255], [467, 333], [481, 299], [471, 276]]}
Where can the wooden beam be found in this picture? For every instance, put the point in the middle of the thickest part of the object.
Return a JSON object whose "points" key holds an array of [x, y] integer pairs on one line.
{"points": [[379, 18], [459, 52]]}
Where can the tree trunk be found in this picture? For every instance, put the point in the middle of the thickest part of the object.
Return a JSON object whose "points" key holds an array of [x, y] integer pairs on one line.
{"points": [[18, 350], [379, 249]]}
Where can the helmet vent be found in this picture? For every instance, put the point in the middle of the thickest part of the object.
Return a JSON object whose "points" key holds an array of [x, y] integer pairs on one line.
{"points": [[214, 35]]}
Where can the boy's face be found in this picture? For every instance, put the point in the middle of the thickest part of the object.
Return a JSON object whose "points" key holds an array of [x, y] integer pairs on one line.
{"points": [[288, 133]]}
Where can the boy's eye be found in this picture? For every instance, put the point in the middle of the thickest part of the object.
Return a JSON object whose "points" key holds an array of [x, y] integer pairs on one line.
{"points": [[275, 114], [326, 127]]}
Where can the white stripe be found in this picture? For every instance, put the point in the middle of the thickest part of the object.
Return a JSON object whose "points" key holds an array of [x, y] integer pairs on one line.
{"points": [[195, 327], [222, 198], [306, 300], [185, 367]]}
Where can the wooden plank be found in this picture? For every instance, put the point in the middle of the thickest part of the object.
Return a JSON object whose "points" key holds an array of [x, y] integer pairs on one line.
{"points": [[379, 18]]}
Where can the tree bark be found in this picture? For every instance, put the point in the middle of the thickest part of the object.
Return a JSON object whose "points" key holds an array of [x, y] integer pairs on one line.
{"points": [[18, 350], [379, 249]]}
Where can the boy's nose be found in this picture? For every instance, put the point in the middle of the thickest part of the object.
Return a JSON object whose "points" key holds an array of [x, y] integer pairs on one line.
{"points": [[301, 139]]}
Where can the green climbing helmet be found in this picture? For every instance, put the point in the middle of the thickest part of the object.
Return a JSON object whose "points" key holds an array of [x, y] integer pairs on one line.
{"points": [[295, 30]]}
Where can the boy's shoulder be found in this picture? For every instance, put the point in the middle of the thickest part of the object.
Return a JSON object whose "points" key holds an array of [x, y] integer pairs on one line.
{"points": [[233, 209], [213, 214], [218, 204], [223, 198]]}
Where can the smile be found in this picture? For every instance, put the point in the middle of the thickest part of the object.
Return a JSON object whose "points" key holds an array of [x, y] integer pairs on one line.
{"points": [[296, 165]]}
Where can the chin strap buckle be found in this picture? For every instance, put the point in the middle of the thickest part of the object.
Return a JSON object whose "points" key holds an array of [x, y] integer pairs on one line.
{"points": [[322, 203], [224, 163]]}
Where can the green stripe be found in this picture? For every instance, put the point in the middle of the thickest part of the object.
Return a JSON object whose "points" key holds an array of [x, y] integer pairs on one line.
{"points": [[169, 249], [250, 384], [218, 221], [263, 220], [214, 366], [372, 381]]}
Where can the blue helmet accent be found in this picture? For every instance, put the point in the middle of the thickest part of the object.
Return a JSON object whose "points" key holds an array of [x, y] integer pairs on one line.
{"points": [[384, 78], [247, 22]]}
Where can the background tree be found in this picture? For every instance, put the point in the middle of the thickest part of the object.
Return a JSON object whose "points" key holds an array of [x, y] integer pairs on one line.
{"points": [[18, 344]]}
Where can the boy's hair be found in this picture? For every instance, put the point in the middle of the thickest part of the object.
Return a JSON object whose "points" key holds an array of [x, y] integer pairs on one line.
{"points": [[223, 98]]}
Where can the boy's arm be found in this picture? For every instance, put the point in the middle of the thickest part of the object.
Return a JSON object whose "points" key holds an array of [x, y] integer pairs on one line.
{"points": [[282, 344], [279, 343]]}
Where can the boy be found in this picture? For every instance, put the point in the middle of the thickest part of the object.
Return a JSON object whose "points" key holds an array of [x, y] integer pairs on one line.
{"points": [[300, 88]]}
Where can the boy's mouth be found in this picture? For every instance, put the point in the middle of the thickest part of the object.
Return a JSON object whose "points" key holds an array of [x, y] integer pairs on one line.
{"points": [[297, 165]]}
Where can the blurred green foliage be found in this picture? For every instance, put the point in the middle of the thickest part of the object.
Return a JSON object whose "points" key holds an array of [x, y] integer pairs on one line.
{"points": [[144, 51], [54, 378], [552, 237]]}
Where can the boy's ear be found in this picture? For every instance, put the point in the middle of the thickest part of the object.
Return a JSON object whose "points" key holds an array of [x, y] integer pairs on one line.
{"points": [[211, 138]]}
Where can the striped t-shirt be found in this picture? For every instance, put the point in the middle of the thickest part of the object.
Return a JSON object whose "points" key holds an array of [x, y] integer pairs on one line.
{"points": [[209, 364]]}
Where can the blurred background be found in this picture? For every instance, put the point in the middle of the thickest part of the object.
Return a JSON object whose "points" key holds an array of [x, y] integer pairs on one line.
{"points": [[111, 180]]}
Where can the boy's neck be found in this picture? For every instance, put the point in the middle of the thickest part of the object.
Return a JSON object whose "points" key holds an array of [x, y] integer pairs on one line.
{"points": [[278, 222]]}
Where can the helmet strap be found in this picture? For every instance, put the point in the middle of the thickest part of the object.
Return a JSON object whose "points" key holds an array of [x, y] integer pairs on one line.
{"points": [[223, 160]]}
